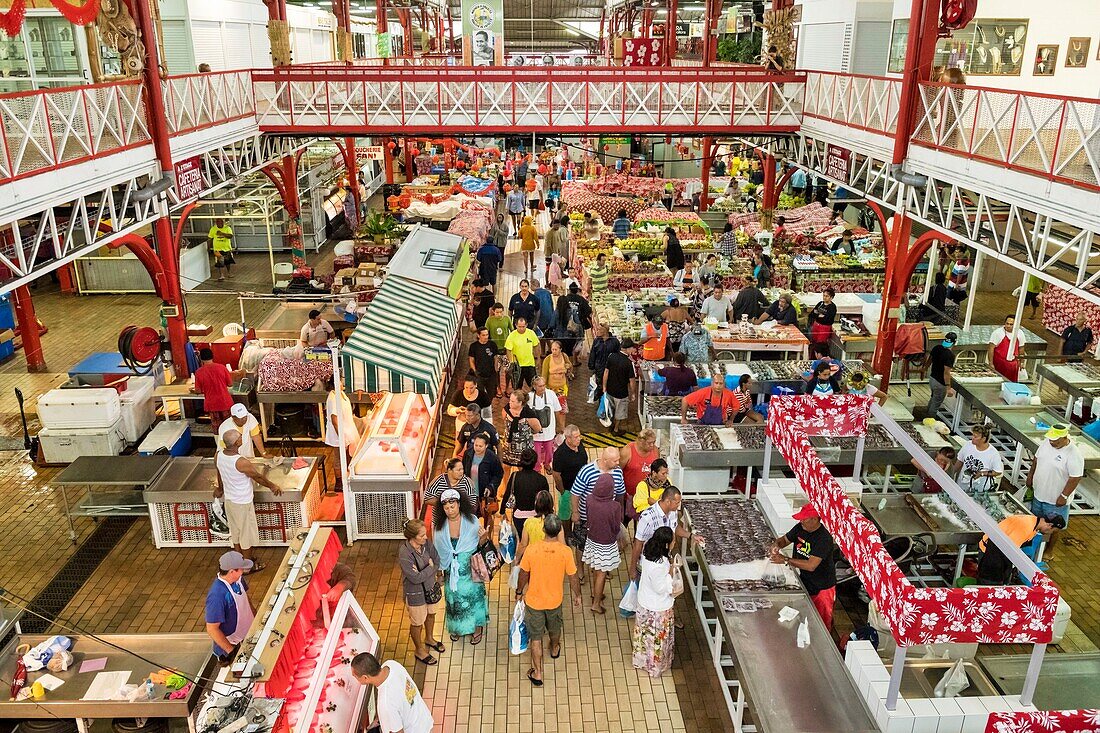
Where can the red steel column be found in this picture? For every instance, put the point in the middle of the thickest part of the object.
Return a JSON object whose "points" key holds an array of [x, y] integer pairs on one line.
{"points": [[351, 162], [158, 128], [704, 197], [28, 329], [388, 158], [670, 32]]}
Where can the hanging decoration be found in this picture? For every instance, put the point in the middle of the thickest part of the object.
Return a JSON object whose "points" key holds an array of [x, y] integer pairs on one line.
{"points": [[76, 13], [118, 30]]}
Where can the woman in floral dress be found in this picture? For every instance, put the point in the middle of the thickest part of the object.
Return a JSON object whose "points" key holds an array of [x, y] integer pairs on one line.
{"points": [[457, 535], [654, 622]]}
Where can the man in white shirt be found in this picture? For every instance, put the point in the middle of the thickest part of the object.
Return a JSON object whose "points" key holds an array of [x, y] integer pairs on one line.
{"points": [[717, 305], [340, 419], [1055, 472], [235, 476], [665, 513], [317, 331], [245, 423], [400, 706], [546, 405]]}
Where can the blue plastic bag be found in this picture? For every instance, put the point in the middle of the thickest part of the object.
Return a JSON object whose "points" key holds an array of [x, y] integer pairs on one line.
{"points": [[518, 637], [507, 542], [604, 411]]}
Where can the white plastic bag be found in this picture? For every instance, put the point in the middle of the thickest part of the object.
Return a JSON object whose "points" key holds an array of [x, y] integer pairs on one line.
{"points": [[513, 577], [604, 410], [954, 682], [38, 657], [218, 522], [803, 634], [629, 604], [507, 543], [518, 638], [592, 390], [677, 577]]}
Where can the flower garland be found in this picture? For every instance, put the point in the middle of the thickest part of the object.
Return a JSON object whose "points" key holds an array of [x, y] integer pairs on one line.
{"points": [[83, 14]]}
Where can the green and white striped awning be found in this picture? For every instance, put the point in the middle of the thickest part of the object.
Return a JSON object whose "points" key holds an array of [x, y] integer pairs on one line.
{"points": [[403, 342]]}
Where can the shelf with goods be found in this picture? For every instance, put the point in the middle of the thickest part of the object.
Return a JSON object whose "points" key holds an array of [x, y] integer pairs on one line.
{"points": [[294, 667]]}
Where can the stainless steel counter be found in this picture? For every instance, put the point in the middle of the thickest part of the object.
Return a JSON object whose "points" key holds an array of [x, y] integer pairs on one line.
{"points": [[192, 479], [113, 471], [1067, 681], [896, 518], [188, 653]]}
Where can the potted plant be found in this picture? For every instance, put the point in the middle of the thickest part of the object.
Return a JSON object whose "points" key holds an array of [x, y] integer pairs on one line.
{"points": [[379, 225]]}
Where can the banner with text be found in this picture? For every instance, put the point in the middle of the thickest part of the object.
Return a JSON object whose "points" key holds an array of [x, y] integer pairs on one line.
{"points": [[189, 178], [483, 32], [838, 163]]}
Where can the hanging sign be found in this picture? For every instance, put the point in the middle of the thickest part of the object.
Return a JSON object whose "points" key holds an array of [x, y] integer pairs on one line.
{"points": [[189, 178], [483, 32], [838, 163], [373, 152], [384, 45]]}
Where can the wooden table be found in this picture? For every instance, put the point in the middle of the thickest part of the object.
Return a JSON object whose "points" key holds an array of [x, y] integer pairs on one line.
{"points": [[784, 339]]}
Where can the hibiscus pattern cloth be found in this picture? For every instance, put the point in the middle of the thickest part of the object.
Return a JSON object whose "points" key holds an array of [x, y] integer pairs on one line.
{"points": [[641, 52], [279, 374], [1045, 721], [984, 614]]}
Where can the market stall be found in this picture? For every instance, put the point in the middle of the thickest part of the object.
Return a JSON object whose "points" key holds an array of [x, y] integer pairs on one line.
{"points": [[404, 347], [84, 694], [179, 500], [293, 671]]}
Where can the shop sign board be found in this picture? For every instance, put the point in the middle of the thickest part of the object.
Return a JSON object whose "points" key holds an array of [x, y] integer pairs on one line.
{"points": [[189, 178], [483, 32], [373, 152], [838, 163]]}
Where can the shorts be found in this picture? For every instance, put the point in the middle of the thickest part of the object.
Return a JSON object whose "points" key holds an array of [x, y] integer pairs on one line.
{"points": [[419, 614], [1031, 299], [620, 407], [243, 530], [539, 622], [1045, 509], [223, 257], [565, 506]]}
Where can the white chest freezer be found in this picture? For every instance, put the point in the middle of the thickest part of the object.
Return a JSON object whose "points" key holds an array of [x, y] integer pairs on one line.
{"points": [[137, 407], [92, 407], [67, 444]]}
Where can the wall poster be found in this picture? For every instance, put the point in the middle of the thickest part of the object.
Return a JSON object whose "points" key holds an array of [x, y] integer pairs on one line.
{"points": [[483, 32]]}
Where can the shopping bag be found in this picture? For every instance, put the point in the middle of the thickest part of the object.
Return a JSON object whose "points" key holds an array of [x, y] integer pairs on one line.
{"points": [[217, 521], [518, 637], [513, 578], [629, 604], [603, 411], [677, 577], [592, 390], [507, 541], [954, 682]]}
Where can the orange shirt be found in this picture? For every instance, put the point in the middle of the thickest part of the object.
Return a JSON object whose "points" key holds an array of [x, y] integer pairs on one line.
{"points": [[548, 563], [1020, 528], [700, 398]]}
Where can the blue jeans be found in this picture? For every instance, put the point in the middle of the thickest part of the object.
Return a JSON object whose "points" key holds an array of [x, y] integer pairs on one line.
{"points": [[1043, 509]]}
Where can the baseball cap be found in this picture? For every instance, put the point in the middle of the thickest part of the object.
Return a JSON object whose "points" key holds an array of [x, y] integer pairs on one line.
{"points": [[1060, 430], [806, 512], [238, 410], [234, 560], [1056, 520], [952, 337]]}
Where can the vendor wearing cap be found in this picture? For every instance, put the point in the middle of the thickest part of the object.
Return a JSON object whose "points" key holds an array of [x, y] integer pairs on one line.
{"points": [[245, 423], [316, 331], [228, 611], [1053, 477], [812, 548], [996, 569]]}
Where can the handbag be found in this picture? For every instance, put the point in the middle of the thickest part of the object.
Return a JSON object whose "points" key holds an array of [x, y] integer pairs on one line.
{"points": [[677, 578], [543, 414], [433, 595], [485, 562]]}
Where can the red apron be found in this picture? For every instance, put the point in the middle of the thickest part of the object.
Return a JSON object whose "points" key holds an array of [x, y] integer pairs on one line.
{"points": [[820, 333], [1004, 362]]}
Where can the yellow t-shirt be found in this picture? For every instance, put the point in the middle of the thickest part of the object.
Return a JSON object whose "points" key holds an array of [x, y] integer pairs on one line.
{"points": [[522, 345], [644, 494], [222, 243], [535, 529]]}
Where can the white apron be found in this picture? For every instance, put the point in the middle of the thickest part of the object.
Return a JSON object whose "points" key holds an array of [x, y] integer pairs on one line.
{"points": [[244, 614]]}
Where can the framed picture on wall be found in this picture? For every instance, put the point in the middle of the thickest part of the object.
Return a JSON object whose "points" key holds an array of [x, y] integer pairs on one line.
{"points": [[1077, 52], [1046, 58], [985, 47]]}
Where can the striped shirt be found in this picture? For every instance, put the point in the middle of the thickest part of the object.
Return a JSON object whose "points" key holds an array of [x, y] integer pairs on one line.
{"points": [[621, 227], [436, 488], [598, 277], [586, 482], [653, 518]]}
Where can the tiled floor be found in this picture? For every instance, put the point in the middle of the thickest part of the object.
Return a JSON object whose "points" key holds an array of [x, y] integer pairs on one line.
{"points": [[137, 588]]}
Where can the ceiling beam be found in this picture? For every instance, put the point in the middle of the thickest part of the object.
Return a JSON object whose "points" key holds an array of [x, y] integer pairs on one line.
{"points": [[578, 31]]}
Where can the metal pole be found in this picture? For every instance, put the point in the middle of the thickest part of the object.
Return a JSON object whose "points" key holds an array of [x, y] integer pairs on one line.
{"points": [[270, 249], [766, 468], [895, 678], [1032, 676], [970, 298], [338, 387], [1015, 337], [857, 466], [933, 264]]}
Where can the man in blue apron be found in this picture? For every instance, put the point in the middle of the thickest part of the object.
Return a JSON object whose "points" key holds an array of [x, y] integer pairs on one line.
{"points": [[228, 611]]}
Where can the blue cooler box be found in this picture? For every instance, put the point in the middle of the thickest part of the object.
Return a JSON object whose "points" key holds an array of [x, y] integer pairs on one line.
{"points": [[175, 435], [1014, 393]]}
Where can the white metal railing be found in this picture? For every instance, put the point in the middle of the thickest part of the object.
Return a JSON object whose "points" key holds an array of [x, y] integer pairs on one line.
{"points": [[459, 99], [865, 102], [52, 128], [195, 101], [1055, 137]]}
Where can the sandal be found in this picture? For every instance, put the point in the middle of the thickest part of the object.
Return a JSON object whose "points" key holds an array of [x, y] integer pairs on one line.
{"points": [[436, 646], [531, 676], [597, 609], [258, 567], [555, 656], [454, 637], [476, 638], [429, 660]]}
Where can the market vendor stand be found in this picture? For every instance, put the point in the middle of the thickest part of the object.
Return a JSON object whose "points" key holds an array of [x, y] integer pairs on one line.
{"points": [[134, 655], [179, 501], [1078, 380], [786, 340], [113, 485]]}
